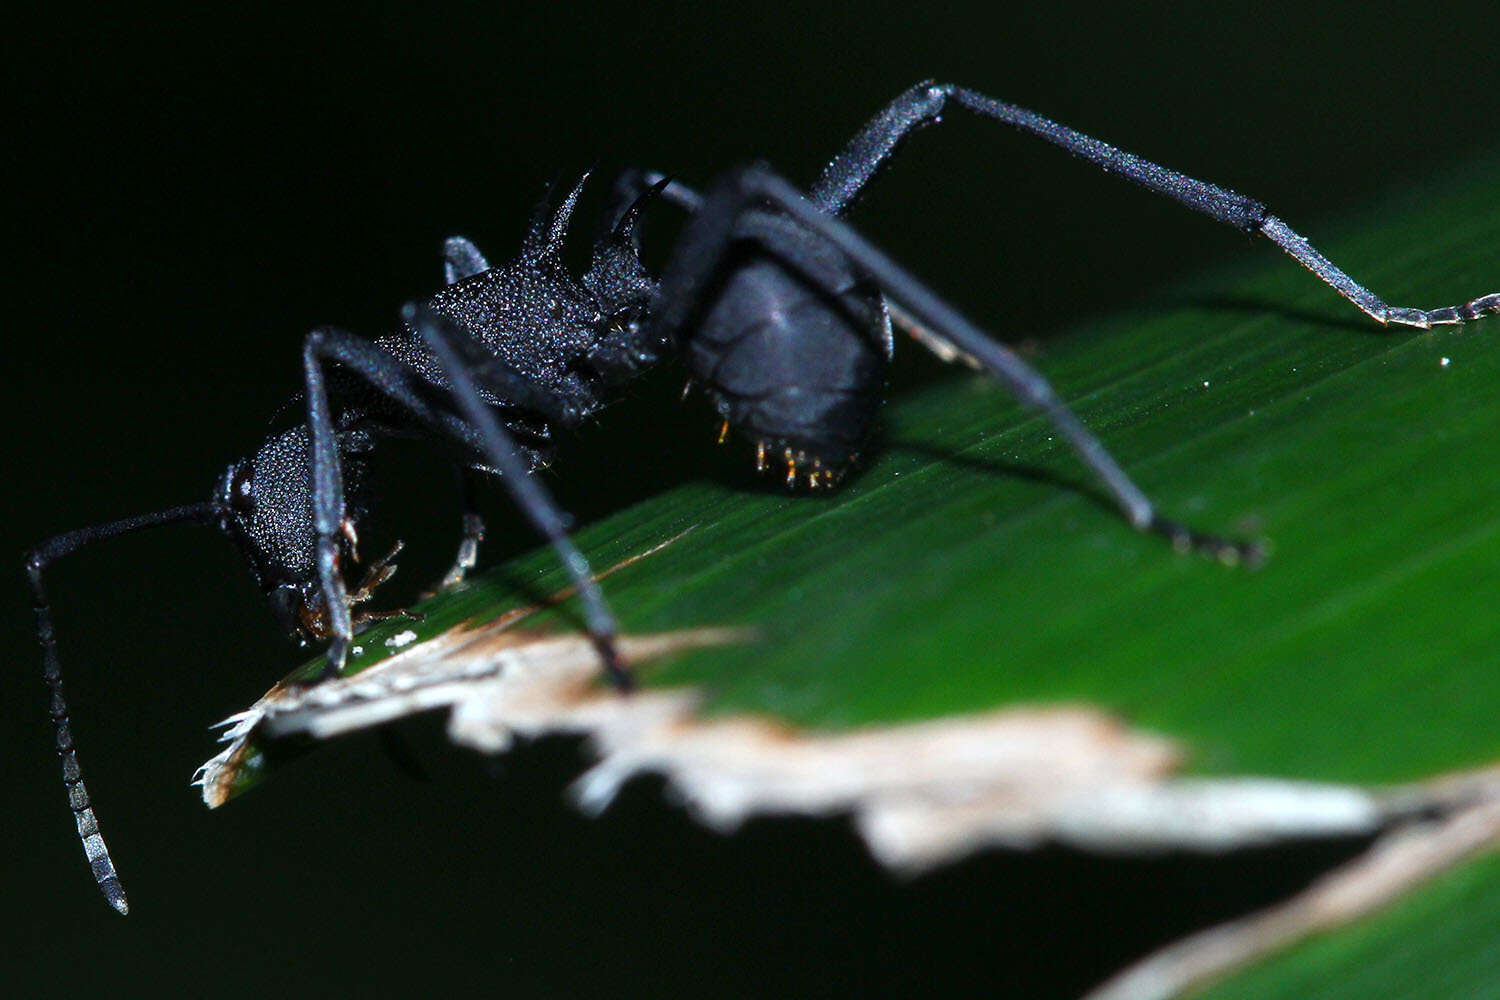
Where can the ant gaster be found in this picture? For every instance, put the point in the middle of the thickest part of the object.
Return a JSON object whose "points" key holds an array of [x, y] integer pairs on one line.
{"points": [[780, 310]]}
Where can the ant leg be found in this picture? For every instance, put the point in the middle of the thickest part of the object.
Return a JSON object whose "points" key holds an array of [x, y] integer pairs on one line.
{"points": [[481, 432], [461, 259], [401, 385], [633, 183], [327, 496], [37, 561], [709, 236], [376, 574], [446, 343], [504, 382], [846, 177], [468, 546]]}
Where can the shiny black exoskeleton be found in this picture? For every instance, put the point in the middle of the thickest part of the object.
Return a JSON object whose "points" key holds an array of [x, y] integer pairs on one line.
{"points": [[782, 312]]}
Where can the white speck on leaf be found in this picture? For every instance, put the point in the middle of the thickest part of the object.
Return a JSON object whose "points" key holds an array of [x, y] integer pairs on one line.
{"points": [[1444, 362], [401, 639]]}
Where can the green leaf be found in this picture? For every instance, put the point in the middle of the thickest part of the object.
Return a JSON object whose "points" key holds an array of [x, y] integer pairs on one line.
{"points": [[971, 564], [1436, 945]]}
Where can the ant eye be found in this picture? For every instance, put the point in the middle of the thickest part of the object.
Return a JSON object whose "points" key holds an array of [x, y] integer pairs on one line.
{"points": [[240, 497]]}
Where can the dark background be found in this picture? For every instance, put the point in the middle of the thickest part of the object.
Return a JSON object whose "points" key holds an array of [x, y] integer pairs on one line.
{"points": [[196, 191]]}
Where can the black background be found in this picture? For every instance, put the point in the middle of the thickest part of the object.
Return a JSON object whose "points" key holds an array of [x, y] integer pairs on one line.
{"points": [[194, 191]]}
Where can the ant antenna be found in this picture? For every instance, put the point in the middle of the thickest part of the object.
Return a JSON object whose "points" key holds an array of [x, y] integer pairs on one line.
{"points": [[78, 796]]}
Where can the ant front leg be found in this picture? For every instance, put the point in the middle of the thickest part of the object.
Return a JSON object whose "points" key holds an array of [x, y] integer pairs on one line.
{"points": [[329, 522], [402, 386], [477, 429], [702, 251]]}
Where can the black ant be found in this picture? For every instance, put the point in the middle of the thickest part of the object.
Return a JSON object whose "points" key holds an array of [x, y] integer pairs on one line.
{"points": [[781, 311]]}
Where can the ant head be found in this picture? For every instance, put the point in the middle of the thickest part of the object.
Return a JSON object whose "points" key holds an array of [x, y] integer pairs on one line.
{"points": [[265, 504]]}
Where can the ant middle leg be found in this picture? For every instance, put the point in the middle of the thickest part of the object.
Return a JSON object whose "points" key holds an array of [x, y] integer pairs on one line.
{"points": [[448, 344]]}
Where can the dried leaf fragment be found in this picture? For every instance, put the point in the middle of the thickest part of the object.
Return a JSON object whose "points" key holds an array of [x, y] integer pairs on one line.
{"points": [[920, 794]]}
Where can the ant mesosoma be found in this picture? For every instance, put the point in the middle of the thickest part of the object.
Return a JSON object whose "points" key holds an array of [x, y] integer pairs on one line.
{"points": [[780, 310]]}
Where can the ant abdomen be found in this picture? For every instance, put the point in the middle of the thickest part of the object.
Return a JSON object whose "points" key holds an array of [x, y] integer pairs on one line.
{"points": [[793, 351]]}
